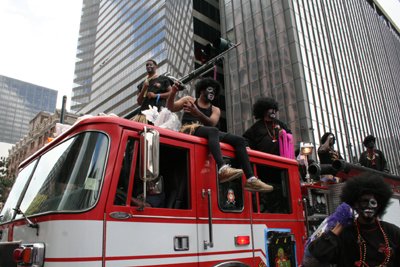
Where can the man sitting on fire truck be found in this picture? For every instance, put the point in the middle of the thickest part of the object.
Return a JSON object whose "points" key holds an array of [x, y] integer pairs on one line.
{"points": [[264, 134], [200, 118]]}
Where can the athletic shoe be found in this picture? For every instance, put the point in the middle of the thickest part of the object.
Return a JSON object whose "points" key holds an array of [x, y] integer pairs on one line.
{"points": [[227, 173], [258, 186]]}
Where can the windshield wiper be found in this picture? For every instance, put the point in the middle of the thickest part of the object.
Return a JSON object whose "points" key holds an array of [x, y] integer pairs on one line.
{"points": [[29, 223]]}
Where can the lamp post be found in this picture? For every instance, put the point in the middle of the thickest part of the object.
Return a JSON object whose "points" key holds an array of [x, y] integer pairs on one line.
{"points": [[305, 150]]}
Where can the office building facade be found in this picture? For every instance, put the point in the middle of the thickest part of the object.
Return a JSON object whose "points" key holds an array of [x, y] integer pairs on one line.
{"points": [[333, 66], [19, 103]]}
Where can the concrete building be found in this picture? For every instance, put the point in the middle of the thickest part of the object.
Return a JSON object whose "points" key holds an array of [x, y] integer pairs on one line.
{"points": [[19, 102]]}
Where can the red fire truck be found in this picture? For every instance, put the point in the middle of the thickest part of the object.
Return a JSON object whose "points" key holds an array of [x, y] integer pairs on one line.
{"points": [[76, 202], [71, 203]]}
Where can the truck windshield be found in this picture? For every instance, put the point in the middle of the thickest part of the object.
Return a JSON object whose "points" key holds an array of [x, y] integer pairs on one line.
{"points": [[68, 177]]}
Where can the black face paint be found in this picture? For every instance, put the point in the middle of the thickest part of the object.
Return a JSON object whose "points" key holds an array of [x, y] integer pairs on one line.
{"points": [[367, 208], [370, 144], [209, 93], [271, 113]]}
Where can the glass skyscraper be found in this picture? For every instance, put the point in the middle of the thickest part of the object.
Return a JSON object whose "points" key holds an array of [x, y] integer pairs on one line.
{"points": [[85, 55], [20, 102], [333, 66]]}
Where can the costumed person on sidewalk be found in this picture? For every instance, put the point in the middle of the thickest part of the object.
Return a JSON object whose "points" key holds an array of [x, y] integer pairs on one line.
{"points": [[326, 153], [366, 241], [153, 91], [200, 118], [264, 134], [373, 158]]}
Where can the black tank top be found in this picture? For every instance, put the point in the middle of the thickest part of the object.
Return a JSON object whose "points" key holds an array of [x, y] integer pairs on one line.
{"points": [[188, 118]]}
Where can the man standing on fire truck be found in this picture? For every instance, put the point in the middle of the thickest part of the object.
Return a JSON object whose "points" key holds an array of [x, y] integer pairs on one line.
{"points": [[373, 158], [153, 91], [326, 153], [200, 118]]}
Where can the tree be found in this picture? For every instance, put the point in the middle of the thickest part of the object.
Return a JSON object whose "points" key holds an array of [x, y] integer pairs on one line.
{"points": [[7, 179]]}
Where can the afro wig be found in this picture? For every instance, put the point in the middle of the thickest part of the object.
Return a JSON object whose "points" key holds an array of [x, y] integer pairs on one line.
{"points": [[262, 105], [368, 139], [325, 137], [204, 83], [367, 183]]}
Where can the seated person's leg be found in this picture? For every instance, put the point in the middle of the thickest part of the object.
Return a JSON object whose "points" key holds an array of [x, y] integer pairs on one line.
{"points": [[239, 145], [211, 133], [238, 142], [225, 173]]}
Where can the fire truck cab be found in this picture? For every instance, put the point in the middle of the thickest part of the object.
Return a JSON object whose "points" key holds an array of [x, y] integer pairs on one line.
{"points": [[79, 202]]}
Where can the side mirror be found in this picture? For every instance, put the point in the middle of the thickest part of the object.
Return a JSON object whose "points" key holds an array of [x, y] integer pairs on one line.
{"points": [[156, 186], [149, 151]]}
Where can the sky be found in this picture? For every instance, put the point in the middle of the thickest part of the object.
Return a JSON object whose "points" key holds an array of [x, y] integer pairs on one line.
{"points": [[39, 40]]}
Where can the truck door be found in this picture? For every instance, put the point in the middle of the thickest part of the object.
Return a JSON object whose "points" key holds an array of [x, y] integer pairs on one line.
{"points": [[278, 222], [165, 232], [229, 243]]}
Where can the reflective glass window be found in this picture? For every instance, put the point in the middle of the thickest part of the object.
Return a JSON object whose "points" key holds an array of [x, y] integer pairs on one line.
{"points": [[69, 176], [259, 34], [267, 13], [263, 67], [246, 10], [271, 44], [270, 28], [229, 22], [277, 7], [238, 16], [243, 77]]}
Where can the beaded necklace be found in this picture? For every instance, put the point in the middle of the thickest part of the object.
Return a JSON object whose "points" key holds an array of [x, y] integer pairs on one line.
{"points": [[273, 129], [373, 156], [334, 153], [363, 247]]}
